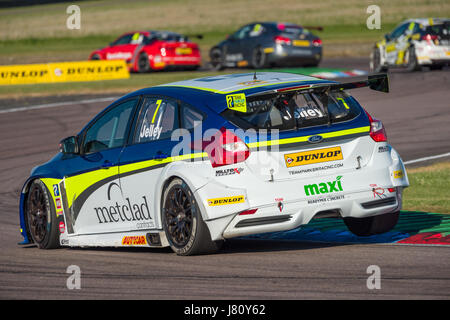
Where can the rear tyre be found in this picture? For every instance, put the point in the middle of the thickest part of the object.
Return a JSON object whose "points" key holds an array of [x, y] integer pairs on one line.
{"points": [[369, 226], [95, 57], [143, 64], [216, 56], [412, 64], [41, 216], [258, 58], [182, 221]]}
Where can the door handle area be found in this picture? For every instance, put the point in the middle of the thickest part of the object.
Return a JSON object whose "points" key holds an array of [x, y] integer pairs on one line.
{"points": [[160, 156], [107, 164]]}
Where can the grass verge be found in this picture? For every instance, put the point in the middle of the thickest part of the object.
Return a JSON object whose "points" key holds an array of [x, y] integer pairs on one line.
{"points": [[429, 189]]}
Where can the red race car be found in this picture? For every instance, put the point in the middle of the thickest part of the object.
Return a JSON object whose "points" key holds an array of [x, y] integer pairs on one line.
{"points": [[152, 50]]}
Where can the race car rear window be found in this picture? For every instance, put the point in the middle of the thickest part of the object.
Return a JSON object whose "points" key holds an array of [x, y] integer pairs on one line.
{"points": [[294, 111], [290, 29], [441, 30]]}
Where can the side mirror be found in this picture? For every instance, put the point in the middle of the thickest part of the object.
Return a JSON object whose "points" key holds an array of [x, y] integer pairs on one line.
{"points": [[69, 146]]}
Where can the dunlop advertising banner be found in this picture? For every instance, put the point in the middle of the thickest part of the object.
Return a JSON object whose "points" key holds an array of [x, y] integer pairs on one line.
{"points": [[64, 72]]}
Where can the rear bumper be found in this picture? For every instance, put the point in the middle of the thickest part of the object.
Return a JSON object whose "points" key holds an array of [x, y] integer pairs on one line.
{"points": [[429, 55], [287, 55], [284, 204], [294, 214]]}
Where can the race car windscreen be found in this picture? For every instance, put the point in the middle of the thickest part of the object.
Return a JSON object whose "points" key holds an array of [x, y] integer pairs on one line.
{"points": [[294, 111]]}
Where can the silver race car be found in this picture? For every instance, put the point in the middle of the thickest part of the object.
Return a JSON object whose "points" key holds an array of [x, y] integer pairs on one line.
{"points": [[413, 44]]}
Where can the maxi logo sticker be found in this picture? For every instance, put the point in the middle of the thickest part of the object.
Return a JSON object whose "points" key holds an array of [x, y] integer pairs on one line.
{"points": [[324, 187], [134, 240], [226, 200], [314, 156], [237, 102]]}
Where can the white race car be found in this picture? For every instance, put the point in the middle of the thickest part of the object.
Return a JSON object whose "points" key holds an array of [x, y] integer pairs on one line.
{"points": [[413, 44], [191, 163]]}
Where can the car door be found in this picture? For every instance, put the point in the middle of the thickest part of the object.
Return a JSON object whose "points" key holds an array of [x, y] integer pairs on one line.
{"points": [[143, 160], [234, 53], [89, 188], [124, 47], [395, 43], [253, 39]]}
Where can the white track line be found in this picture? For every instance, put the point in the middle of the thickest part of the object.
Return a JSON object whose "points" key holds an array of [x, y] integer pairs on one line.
{"points": [[427, 158], [57, 104]]}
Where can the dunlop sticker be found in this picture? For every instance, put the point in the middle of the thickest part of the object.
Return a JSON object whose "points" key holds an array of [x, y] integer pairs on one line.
{"points": [[63, 72], [224, 201], [237, 102], [314, 156]]}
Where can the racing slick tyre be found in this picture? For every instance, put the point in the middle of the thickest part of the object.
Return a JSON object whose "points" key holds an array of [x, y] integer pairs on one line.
{"points": [[369, 226], [143, 64], [375, 61], [217, 57], [258, 58], [182, 221], [95, 57], [41, 217], [412, 64]]}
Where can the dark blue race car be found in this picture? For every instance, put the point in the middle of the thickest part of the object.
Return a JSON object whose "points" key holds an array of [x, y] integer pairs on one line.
{"points": [[192, 163], [265, 44]]}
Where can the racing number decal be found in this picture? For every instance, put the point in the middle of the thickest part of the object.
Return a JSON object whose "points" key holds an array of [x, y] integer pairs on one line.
{"points": [[158, 104]]}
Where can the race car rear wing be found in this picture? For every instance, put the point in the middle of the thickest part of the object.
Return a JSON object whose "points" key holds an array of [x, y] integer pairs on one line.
{"points": [[377, 82]]}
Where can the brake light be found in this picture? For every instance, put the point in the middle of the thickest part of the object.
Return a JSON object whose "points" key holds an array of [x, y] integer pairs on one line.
{"points": [[282, 40], [317, 42], [429, 37], [226, 149], [377, 131]]}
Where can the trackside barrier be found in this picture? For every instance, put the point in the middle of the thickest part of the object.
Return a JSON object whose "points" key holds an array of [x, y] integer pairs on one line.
{"points": [[63, 72]]}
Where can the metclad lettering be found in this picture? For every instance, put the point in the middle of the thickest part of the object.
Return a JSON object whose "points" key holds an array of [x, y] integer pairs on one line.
{"points": [[124, 212]]}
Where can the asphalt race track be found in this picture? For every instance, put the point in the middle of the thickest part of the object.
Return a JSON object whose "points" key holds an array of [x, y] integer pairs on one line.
{"points": [[417, 119]]}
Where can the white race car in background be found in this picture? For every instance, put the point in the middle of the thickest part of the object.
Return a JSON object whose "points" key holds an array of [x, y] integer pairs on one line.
{"points": [[413, 44], [266, 152]]}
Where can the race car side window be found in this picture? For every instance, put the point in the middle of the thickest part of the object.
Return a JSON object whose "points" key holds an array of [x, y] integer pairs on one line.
{"points": [[190, 116], [126, 39], [110, 130], [399, 31], [242, 33], [157, 119]]}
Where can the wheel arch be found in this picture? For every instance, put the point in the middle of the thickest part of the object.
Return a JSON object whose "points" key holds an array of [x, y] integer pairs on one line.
{"points": [[24, 229], [181, 171]]}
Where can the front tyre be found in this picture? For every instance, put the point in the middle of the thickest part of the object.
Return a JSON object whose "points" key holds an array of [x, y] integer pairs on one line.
{"points": [[259, 58], [41, 216], [370, 226], [216, 55], [143, 63], [375, 61], [182, 221]]}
